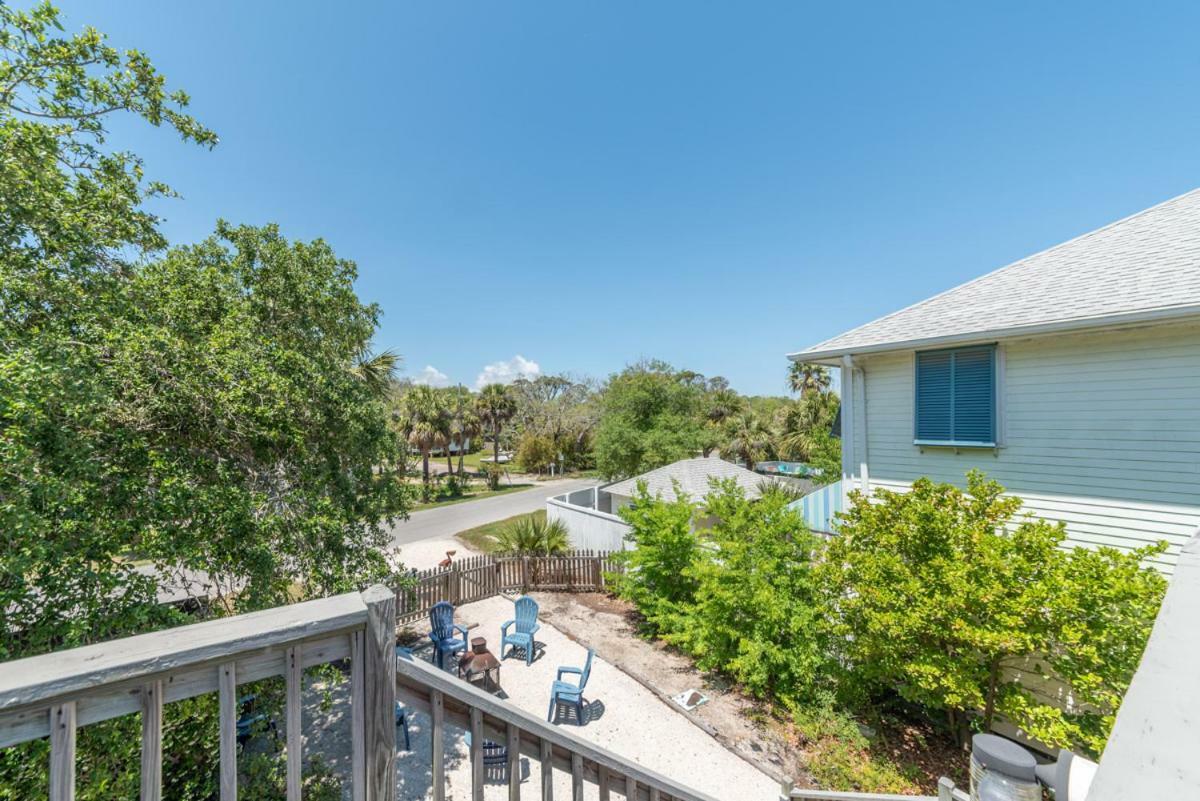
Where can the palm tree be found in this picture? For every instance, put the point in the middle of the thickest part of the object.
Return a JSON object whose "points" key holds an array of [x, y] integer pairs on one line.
{"points": [[721, 404], [534, 535], [808, 379], [376, 370], [802, 425], [747, 437], [495, 407], [425, 423], [464, 422]]}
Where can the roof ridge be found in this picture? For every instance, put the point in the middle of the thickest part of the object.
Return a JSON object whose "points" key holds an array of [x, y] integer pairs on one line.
{"points": [[1085, 235]]}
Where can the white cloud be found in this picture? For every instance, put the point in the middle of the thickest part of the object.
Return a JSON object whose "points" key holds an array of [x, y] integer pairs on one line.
{"points": [[507, 372], [432, 377]]}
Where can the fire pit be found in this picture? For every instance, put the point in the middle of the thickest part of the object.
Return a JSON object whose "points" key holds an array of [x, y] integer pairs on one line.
{"points": [[480, 663]]}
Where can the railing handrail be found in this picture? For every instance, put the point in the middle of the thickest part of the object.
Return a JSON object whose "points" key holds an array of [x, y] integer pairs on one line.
{"points": [[41, 680], [427, 676]]}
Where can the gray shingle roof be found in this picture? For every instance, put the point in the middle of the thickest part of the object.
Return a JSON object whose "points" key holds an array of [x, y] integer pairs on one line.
{"points": [[693, 476], [1145, 266]]}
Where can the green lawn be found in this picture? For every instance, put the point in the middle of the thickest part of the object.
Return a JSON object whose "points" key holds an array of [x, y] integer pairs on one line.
{"points": [[483, 538], [472, 494]]}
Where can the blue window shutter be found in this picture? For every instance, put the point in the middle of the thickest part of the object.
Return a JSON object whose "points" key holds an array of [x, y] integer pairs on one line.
{"points": [[974, 395], [956, 395], [934, 396]]}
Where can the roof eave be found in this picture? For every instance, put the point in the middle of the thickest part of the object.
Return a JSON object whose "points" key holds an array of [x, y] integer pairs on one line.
{"points": [[1170, 314]]}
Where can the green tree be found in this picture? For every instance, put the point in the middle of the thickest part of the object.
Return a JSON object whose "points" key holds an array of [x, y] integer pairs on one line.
{"points": [[756, 614], [802, 432], [657, 575], [747, 438], [939, 594], [465, 424], [495, 408], [808, 379], [211, 410], [425, 424], [651, 415], [535, 452]]}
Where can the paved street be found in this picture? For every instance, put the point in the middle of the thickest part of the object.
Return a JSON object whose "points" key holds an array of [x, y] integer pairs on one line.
{"points": [[444, 522]]}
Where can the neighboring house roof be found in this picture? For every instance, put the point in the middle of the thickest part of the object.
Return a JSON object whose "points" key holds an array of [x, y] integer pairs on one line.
{"points": [[1145, 267], [692, 476]]}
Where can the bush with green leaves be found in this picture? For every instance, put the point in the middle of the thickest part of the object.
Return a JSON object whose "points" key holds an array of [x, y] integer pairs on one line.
{"points": [[755, 612], [536, 453], [656, 571], [942, 595], [212, 408]]}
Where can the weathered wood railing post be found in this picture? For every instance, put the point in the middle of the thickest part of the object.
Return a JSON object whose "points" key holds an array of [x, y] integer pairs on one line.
{"points": [[62, 752], [152, 715], [379, 694]]}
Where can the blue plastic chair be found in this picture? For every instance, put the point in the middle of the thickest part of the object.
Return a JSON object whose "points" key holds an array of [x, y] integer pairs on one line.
{"points": [[443, 630], [565, 692], [402, 720], [526, 610]]}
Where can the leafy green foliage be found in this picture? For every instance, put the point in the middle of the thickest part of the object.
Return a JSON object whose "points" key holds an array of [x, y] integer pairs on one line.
{"points": [[656, 571], [534, 535], [495, 407], [940, 594], [651, 415], [536, 453], [213, 410], [755, 613]]}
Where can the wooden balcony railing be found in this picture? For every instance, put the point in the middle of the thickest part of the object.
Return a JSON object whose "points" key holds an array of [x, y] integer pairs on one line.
{"points": [[52, 695]]}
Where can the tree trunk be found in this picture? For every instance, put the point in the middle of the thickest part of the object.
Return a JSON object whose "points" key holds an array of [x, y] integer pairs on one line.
{"points": [[989, 709], [425, 466], [462, 446], [496, 446], [449, 461]]}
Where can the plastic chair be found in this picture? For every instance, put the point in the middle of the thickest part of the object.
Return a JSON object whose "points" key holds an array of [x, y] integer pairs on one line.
{"points": [[565, 692], [526, 611], [443, 630]]}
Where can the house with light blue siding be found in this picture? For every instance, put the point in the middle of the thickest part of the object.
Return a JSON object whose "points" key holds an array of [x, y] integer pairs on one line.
{"points": [[1071, 376]]}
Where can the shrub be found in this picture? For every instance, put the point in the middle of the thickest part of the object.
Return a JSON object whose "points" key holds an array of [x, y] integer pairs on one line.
{"points": [[941, 594], [534, 535], [492, 473], [535, 453], [657, 572], [755, 613]]}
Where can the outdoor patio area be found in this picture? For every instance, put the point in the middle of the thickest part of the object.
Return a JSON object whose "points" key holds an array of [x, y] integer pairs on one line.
{"points": [[620, 714]]}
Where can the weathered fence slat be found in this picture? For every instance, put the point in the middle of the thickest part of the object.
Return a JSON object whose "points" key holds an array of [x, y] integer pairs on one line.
{"points": [[475, 578], [294, 686], [62, 752], [227, 712], [152, 710]]}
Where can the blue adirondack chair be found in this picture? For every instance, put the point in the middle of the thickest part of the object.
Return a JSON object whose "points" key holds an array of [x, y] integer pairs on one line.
{"points": [[402, 720], [526, 626], [444, 632], [565, 692]]}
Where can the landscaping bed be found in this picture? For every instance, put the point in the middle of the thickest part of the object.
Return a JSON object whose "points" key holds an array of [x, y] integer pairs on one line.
{"points": [[891, 754]]}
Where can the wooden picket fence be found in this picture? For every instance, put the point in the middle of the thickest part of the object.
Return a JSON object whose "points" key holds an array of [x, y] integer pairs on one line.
{"points": [[477, 577]]}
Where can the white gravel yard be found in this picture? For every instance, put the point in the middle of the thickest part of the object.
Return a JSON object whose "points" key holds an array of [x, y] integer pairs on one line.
{"points": [[623, 716]]}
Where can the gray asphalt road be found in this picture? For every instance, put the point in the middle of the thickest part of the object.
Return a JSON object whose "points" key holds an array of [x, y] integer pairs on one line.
{"points": [[446, 521]]}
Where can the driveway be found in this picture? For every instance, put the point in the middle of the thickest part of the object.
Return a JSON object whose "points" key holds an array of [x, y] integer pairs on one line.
{"points": [[443, 522]]}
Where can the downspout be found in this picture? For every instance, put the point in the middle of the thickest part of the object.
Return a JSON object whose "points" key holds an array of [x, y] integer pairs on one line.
{"points": [[853, 384], [847, 425]]}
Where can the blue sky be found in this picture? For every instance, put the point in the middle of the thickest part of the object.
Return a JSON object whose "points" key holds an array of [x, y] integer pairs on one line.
{"points": [[585, 184]]}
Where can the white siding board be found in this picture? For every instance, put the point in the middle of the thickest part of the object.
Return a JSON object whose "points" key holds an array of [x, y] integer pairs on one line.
{"points": [[1102, 432]]}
